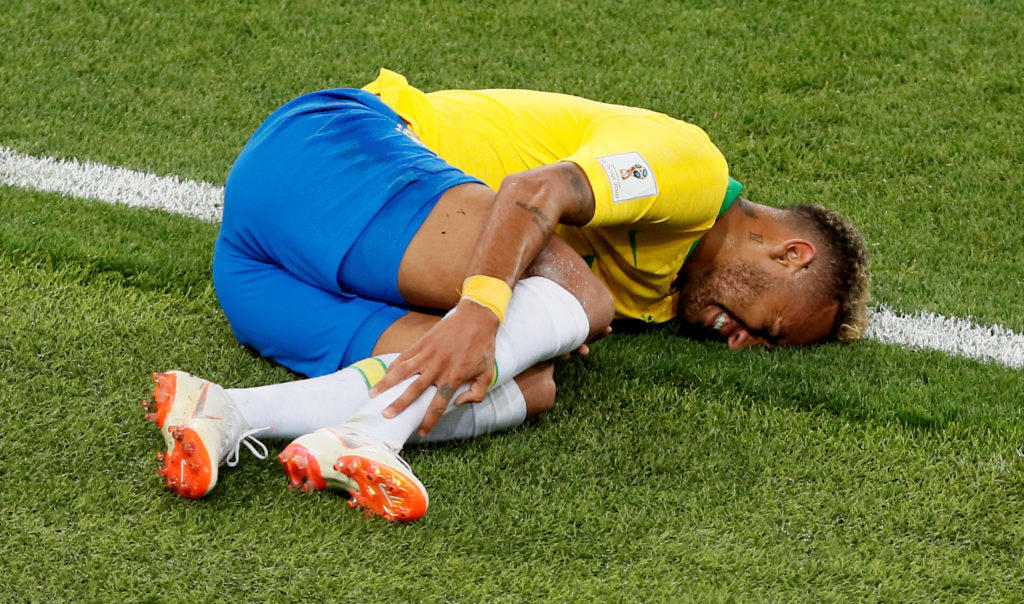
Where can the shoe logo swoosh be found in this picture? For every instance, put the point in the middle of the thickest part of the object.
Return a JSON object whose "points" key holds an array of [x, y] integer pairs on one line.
{"points": [[200, 412], [349, 444]]}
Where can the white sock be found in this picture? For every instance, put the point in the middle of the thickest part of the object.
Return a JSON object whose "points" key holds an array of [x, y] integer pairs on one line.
{"points": [[543, 320], [502, 408], [302, 406]]}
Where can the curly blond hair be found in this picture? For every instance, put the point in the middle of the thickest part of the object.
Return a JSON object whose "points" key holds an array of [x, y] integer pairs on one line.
{"points": [[847, 274]]}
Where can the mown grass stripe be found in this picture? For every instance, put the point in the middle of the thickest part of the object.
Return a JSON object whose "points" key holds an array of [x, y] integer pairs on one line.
{"points": [[87, 180]]}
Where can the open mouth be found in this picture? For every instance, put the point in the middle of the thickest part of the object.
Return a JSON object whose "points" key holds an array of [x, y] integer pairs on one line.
{"points": [[724, 325], [718, 319], [718, 324]]}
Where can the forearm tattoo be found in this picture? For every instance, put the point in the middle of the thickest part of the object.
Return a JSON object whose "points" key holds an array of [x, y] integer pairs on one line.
{"points": [[538, 217]]}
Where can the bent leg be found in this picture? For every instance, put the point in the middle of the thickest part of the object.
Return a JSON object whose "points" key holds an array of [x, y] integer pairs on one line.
{"points": [[292, 409], [538, 387], [301, 406], [537, 384], [530, 393]]}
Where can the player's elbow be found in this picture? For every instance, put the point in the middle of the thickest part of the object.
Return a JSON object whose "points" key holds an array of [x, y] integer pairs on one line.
{"points": [[521, 187], [538, 191]]}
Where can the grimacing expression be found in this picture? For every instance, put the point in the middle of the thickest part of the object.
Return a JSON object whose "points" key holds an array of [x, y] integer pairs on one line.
{"points": [[746, 306]]}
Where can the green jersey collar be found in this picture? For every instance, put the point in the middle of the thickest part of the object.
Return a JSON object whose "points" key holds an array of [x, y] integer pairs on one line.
{"points": [[731, 193]]}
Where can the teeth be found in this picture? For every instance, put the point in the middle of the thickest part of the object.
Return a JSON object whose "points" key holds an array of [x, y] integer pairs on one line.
{"points": [[719, 322]]}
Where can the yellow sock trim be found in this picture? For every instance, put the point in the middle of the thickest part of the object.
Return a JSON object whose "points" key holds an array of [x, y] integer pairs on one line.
{"points": [[489, 292], [372, 370]]}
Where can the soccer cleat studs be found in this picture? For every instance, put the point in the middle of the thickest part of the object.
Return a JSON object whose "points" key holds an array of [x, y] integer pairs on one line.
{"points": [[202, 428], [302, 469], [186, 466], [377, 481], [163, 398], [383, 491]]}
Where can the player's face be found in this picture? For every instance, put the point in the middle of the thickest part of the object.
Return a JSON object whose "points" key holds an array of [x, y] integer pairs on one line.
{"points": [[747, 306]]}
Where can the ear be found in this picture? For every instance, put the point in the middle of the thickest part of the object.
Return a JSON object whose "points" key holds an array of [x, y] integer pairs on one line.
{"points": [[793, 253]]}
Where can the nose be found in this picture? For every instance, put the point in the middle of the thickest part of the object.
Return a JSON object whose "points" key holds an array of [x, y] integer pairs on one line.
{"points": [[742, 338]]}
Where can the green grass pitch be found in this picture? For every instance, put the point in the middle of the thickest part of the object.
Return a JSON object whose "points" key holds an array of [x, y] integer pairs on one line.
{"points": [[669, 470]]}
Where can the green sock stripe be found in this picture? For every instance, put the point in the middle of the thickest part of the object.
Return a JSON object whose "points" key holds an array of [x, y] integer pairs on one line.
{"points": [[362, 374]]}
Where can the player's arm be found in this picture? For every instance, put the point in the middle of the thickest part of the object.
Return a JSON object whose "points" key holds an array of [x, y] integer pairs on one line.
{"points": [[526, 210], [460, 348]]}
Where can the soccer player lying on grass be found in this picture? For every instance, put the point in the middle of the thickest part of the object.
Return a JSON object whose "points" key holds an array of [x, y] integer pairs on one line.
{"points": [[353, 218]]}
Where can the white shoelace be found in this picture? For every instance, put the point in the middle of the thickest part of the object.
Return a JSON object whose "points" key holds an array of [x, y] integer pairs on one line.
{"points": [[251, 443]]}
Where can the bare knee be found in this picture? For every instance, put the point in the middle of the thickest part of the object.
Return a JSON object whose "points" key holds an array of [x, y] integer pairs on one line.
{"points": [[404, 332], [538, 387], [560, 263]]}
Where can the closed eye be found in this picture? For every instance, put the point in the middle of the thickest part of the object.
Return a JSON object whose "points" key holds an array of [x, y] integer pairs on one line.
{"points": [[771, 341]]}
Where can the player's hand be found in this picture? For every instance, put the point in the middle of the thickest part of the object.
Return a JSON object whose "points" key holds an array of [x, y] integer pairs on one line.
{"points": [[459, 349]]}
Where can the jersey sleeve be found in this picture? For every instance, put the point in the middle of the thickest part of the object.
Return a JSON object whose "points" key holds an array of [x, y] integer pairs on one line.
{"points": [[653, 170]]}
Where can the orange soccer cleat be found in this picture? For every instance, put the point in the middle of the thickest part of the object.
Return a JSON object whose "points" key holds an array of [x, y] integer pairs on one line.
{"points": [[202, 428], [377, 479]]}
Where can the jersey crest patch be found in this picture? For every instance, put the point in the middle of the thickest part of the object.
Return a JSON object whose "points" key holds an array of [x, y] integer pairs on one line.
{"points": [[629, 175]]}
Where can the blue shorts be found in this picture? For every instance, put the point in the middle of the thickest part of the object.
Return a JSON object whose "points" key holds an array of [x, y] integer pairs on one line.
{"points": [[318, 210]]}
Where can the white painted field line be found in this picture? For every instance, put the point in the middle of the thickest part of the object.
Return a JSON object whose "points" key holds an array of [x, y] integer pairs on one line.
{"points": [[86, 180], [928, 331]]}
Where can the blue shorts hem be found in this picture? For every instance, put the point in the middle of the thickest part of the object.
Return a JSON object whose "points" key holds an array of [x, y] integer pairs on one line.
{"points": [[365, 338]]}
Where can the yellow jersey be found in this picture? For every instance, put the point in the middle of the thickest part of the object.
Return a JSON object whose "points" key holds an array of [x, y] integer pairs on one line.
{"points": [[659, 183]]}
